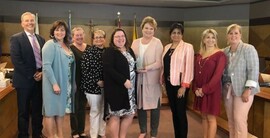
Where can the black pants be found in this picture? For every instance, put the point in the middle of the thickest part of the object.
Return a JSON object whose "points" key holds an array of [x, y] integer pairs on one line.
{"points": [[178, 108], [29, 102], [77, 119]]}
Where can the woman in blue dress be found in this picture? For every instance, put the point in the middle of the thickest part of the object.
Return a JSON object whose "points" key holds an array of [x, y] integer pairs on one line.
{"points": [[58, 79]]}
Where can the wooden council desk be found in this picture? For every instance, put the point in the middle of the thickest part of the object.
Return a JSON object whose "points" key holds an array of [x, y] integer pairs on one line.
{"points": [[258, 118], [8, 112]]}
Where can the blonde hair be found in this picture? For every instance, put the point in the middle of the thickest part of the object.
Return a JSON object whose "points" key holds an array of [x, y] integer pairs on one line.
{"points": [[99, 31], [76, 29], [204, 34], [234, 26], [27, 13], [150, 20]]}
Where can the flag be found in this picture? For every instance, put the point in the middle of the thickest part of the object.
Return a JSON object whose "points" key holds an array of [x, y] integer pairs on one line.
{"points": [[135, 33], [119, 20], [36, 26], [69, 20]]}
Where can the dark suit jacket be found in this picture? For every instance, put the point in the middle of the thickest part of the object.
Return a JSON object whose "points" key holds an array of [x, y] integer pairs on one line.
{"points": [[23, 59]]}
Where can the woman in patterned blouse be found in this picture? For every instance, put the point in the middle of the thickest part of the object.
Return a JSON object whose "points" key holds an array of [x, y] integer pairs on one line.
{"points": [[92, 83]]}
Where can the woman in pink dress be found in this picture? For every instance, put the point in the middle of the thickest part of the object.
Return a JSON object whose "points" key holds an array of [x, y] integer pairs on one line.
{"points": [[209, 66]]}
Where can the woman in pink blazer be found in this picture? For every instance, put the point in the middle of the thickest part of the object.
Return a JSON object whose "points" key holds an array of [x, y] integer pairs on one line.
{"points": [[177, 73], [148, 51]]}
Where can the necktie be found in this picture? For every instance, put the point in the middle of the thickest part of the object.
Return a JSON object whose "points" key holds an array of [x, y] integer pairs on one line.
{"points": [[36, 52]]}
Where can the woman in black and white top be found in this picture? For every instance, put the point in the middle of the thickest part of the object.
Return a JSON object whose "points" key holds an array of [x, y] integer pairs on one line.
{"points": [[119, 84], [92, 83]]}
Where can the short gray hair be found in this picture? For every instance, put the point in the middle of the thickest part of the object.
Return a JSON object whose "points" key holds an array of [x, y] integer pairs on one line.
{"points": [[27, 13], [76, 29]]}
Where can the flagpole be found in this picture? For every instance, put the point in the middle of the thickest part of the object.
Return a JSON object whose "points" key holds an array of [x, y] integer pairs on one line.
{"points": [[36, 25], [119, 21], [91, 31], [69, 19], [135, 33]]}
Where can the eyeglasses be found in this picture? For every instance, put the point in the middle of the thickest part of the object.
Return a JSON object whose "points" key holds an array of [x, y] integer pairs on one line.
{"points": [[98, 37], [119, 36]]}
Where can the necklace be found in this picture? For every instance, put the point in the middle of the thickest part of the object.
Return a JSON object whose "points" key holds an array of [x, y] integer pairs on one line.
{"points": [[172, 48], [174, 45], [80, 47], [171, 51], [201, 64]]}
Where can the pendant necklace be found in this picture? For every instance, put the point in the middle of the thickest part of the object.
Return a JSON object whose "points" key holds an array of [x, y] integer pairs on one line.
{"points": [[171, 52], [172, 48], [201, 64]]}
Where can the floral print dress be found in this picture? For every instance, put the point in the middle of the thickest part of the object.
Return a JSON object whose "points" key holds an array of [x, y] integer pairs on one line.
{"points": [[131, 91]]}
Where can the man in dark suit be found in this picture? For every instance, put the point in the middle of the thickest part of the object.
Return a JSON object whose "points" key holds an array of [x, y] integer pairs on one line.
{"points": [[25, 51]]}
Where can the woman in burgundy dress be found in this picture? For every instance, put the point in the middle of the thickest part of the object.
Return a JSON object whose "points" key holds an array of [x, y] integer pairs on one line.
{"points": [[209, 67]]}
